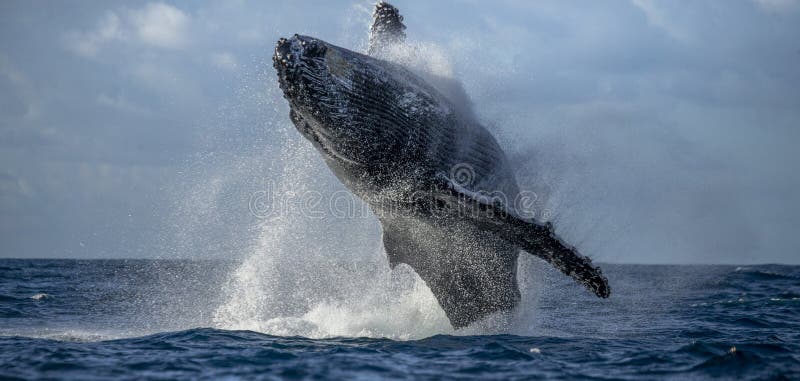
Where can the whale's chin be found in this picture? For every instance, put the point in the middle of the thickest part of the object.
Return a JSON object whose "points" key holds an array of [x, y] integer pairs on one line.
{"points": [[328, 148]]}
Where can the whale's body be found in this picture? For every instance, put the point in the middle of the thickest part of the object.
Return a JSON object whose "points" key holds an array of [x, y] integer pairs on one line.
{"points": [[438, 181]]}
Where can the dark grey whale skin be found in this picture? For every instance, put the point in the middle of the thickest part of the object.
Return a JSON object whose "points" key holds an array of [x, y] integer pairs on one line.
{"points": [[404, 148]]}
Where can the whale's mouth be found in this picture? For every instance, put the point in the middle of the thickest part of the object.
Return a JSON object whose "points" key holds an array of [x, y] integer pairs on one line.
{"points": [[287, 53], [292, 54]]}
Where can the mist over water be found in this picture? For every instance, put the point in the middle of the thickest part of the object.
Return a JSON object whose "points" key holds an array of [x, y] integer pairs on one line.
{"points": [[321, 277]]}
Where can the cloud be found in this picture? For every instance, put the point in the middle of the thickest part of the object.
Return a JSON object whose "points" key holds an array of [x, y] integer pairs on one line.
{"points": [[156, 24], [121, 103], [778, 6], [17, 90], [161, 25], [657, 17], [88, 43], [660, 127], [224, 60]]}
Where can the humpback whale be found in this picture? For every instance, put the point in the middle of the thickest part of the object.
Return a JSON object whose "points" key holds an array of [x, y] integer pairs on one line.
{"points": [[438, 181]]}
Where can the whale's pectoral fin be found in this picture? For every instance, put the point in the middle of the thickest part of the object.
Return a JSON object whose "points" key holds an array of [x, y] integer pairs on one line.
{"points": [[387, 28], [535, 238]]}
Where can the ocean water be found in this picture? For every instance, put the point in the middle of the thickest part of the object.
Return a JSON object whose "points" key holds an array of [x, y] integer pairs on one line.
{"points": [[161, 319]]}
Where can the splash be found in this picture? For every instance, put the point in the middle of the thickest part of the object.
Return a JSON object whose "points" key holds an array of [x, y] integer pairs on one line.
{"points": [[323, 276], [329, 277]]}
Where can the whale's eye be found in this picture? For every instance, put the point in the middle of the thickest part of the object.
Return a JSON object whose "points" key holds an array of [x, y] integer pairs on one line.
{"points": [[337, 64]]}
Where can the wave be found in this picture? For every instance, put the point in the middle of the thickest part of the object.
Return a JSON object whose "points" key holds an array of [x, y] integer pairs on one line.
{"points": [[9, 298], [212, 353], [761, 273]]}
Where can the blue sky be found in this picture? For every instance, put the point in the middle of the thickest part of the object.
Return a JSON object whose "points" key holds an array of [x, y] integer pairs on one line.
{"points": [[656, 131]]}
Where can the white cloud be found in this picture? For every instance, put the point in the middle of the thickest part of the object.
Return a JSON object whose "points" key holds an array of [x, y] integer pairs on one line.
{"points": [[658, 17], [155, 76], [88, 43], [161, 25], [156, 24], [592, 96], [778, 6], [224, 60], [120, 103], [21, 88]]}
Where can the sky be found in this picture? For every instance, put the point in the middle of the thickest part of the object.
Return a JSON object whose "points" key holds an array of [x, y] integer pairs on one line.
{"points": [[655, 131]]}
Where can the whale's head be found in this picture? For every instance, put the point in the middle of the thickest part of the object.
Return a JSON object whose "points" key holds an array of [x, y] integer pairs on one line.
{"points": [[324, 86], [349, 105], [304, 72]]}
